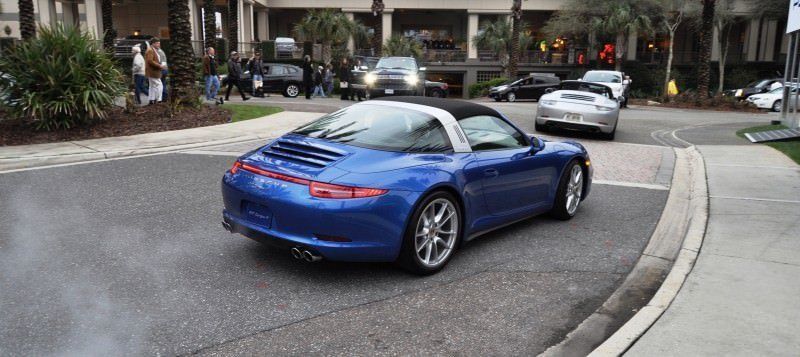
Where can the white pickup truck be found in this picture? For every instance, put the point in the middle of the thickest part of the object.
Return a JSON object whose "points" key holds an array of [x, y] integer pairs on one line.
{"points": [[614, 80]]}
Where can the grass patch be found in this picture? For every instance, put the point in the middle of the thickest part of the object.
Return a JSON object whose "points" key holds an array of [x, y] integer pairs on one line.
{"points": [[789, 148], [242, 112]]}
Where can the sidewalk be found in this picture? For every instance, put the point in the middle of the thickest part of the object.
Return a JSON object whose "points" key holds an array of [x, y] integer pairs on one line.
{"points": [[26, 156], [743, 295]]}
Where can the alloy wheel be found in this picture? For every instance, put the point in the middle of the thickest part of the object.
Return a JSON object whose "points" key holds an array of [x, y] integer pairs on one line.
{"points": [[512, 97], [777, 106], [574, 189], [436, 232], [292, 90]]}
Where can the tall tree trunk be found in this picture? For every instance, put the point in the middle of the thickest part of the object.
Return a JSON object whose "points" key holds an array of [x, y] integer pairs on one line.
{"points": [[27, 24], [108, 25], [210, 24], [619, 51], [665, 93], [723, 56], [516, 18], [377, 38], [704, 55], [181, 54], [233, 25]]}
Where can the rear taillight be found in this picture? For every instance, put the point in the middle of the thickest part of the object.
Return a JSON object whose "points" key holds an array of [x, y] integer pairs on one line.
{"points": [[326, 190], [316, 189]]}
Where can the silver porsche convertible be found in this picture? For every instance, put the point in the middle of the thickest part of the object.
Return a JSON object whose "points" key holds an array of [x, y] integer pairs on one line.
{"points": [[577, 105]]}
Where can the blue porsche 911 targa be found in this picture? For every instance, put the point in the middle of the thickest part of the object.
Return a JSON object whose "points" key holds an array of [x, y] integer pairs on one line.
{"points": [[400, 179]]}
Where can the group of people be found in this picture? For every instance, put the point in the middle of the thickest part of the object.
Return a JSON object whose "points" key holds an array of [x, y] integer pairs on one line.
{"points": [[319, 81], [150, 76], [150, 69]]}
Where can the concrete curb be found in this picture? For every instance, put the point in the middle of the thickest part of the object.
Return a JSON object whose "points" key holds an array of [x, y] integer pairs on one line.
{"points": [[32, 156], [671, 252]]}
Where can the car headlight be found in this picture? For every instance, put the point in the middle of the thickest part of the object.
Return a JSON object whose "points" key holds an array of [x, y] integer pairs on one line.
{"points": [[548, 102], [604, 109], [370, 78], [738, 93], [412, 80]]}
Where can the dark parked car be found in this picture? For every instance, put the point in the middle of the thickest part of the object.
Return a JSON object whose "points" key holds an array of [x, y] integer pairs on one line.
{"points": [[756, 87], [530, 87], [395, 76], [281, 78]]}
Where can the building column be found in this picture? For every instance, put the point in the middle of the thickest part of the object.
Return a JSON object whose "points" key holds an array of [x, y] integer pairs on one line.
{"points": [[751, 40], [770, 30], [93, 23], [386, 25], [351, 43], [262, 17], [47, 12], [472, 31]]}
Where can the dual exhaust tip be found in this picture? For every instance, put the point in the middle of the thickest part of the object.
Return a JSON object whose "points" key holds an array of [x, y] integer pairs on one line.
{"points": [[305, 255]]}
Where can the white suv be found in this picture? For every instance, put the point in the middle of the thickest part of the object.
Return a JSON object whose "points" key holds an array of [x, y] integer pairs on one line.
{"points": [[613, 79]]}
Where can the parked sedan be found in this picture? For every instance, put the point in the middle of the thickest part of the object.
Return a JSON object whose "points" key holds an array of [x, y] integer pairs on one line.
{"points": [[577, 105], [278, 78], [403, 179], [772, 100], [756, 87], [531, 87]]}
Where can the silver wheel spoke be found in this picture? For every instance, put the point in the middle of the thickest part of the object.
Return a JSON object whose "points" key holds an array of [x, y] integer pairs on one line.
{"points": [[434, 245]]}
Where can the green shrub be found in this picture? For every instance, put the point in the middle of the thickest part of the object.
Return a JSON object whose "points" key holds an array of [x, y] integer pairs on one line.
{"points": [[482, 88], [60, 79]]}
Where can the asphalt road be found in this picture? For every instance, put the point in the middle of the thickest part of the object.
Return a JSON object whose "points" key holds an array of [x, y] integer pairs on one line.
{"points": [[128, 256]]}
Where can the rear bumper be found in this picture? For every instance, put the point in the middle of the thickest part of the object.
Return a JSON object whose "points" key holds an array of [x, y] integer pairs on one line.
{"points": [[372, 227], [593, 120], [497, 95]]}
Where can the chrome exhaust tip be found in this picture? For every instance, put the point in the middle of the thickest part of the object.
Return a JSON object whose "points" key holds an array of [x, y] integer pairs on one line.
{"points": [[311, 257], [227, 226], [296, 253]]}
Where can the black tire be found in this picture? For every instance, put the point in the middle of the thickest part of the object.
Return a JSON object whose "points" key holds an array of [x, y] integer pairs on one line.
{"points": [[497, 99], [437, 93], [776, 107], [540, 127], [560, 210], [408, 259], [511, 97], [609, 136], [291, 90]]}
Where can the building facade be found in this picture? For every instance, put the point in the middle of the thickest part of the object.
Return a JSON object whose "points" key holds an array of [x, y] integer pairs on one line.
{"points": [[445, 27]]}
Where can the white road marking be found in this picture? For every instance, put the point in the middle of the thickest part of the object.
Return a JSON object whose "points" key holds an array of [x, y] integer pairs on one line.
{"points": [[648, 186], [753, 199]]}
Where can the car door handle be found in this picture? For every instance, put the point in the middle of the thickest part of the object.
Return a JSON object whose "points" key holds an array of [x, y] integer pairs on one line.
{"points": [[491, 173]]}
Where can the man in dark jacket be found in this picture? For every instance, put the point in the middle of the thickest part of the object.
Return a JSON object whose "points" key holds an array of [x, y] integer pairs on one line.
{"points": [[256, 68], [234, 75], [308, 76], [345, 76]]}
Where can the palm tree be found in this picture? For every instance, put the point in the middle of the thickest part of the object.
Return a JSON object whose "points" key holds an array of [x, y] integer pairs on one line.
{"points": [[398, 45], [327, 27], [108, 25], [181, 53], [516, 18], [704, 55], [621, 19], [27, 24], [498, 37], [377, 38], [233, 25], [209, 23]]}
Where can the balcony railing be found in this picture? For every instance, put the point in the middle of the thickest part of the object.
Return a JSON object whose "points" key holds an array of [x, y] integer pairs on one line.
{"points": [[437, 55]]}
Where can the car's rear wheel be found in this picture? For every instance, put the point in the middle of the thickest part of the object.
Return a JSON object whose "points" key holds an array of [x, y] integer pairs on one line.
{"points": [[611, 135], [777, 106], [432, 235], [437, 93], [569, 193], [292, 90], [511, 97]]}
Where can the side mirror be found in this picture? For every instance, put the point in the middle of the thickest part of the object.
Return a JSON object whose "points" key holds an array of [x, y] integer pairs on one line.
{"points": [[536, 145], [423, 69], [549, 90]]}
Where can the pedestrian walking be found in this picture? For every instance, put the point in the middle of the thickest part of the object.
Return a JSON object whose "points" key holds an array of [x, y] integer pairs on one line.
{"points": [[318, 83], [211, 75], [308, 76], [235, 75], [256, 68], [152, 71], [164, 73], [358, 92], [327, 79], [138, 74], [344, 80]]}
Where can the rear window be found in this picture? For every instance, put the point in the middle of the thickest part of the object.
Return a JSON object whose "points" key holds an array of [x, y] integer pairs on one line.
{"points": [[382, 128], [603, 77]]}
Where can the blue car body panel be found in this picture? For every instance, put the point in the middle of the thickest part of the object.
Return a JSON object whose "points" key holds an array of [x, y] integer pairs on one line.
{"points": [[495, 188]]}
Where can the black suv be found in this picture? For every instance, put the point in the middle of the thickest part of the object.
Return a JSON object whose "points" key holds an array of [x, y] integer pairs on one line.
{"points": [[530, 87], [395, 76], [281, 78]]}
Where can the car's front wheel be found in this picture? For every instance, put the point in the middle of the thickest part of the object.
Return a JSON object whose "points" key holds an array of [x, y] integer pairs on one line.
{"points": [[292, 90], [432, 235], [569, 193], [777, 106], [511, 96], [437, 93]]}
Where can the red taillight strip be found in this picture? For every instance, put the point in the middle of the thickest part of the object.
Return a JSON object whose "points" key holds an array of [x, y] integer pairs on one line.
{"points": [[275, 175]]}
